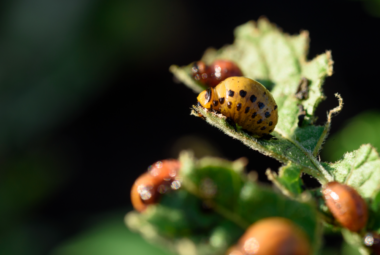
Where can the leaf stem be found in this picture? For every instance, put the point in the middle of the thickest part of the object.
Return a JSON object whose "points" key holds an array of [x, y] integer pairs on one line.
{"points": [[326, 175], [218, 121]]}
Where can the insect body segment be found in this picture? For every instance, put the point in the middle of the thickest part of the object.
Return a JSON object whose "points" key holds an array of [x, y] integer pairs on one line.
{"points": [[272, 236], [160, 178], [347, 206], [245, 101], [218, 71]]}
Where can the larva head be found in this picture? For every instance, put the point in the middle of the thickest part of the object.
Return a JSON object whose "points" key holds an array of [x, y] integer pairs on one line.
{"points": [[206, 98]]}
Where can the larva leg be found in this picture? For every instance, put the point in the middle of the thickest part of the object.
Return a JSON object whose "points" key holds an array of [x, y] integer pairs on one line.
{"points": [[231, 123]]}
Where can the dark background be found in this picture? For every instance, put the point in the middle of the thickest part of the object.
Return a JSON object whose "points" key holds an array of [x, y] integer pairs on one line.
{"points": [[87, 102]]}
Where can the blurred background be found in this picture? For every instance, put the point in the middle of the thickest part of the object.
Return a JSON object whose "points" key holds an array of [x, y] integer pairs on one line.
{"points": [[87, 104]]}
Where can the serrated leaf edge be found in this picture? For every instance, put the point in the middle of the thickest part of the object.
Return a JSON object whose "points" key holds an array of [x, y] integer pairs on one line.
{"points": [[327, 127]]}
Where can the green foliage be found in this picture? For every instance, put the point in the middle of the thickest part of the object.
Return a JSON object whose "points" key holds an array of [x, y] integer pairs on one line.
{"points": [[236, 200], [288, 180], [367, 122], [279, 61], [359, 169]]}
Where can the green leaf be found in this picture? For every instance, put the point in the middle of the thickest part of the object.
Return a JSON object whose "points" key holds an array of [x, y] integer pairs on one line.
{"points": [[235, 202], [185, 222], [288, 180], [358, 169], [362, 128], [278, 61], [374, 213], [354, 243], [279, 147], [242, 200]]}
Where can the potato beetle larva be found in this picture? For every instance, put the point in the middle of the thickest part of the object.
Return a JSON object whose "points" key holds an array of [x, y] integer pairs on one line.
{"points": [[246, 102]]}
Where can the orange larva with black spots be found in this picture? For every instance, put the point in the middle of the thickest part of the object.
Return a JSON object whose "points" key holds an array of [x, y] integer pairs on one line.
{"points": [[246, 102], [160, 178], [347, 206]]}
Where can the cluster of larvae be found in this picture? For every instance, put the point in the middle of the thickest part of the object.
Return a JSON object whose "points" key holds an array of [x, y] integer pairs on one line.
{"points": [[243, 101], [272, 235], [250, 105]]}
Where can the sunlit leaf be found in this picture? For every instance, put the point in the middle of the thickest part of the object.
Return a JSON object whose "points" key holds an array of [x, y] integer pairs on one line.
{"points": [[278, 61], [288, 179], [358, 169]]}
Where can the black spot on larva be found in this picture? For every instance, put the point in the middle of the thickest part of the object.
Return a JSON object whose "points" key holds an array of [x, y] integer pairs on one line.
{"points": [[215, 102], [263, 128], [246, 109], [259, 121], [267, 115], [243, 93], [275, 107], [248, 132], [270, 131], [261, 105], [221, 100], [231, 93], [208, 95], [265, 93], [229, 104], [253, 98], [270, 123], [254, 115], [238, 106]]}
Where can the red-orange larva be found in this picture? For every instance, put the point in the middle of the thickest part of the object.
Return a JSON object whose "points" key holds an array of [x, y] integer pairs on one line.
{"points": [[160, 178], [272, 236], [346, 205], [221, 70], [235, 250], [201, 72], [217, 72]]}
